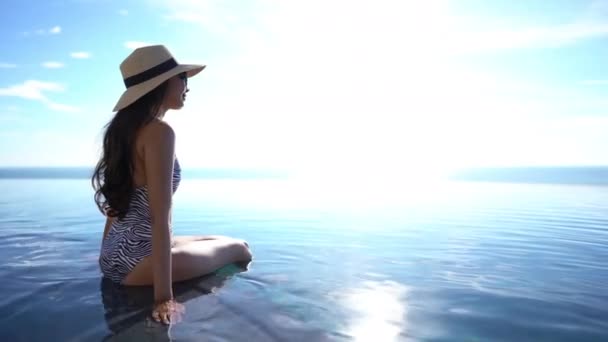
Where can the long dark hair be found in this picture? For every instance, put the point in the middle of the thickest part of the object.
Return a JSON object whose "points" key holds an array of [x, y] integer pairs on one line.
{"points": [[113, 176]]}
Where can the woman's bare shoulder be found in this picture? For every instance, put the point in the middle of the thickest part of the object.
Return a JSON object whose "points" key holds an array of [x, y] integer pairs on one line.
{"points": [[157, 132]]}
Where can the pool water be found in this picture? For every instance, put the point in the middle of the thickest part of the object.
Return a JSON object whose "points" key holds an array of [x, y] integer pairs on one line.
{"points": [[447, 261]]}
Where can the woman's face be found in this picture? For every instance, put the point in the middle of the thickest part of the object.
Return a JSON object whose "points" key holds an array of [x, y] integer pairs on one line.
{"points": [[176, 91]]}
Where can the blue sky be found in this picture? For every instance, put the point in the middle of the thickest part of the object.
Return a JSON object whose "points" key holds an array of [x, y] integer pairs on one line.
{"points": [[323, 86]]}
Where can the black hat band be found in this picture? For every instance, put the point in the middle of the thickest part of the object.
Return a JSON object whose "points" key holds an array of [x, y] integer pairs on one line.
{"points": [[150, 73]]}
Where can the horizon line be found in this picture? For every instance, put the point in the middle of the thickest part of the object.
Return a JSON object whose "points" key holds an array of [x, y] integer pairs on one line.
{"points": [[294, 169]]}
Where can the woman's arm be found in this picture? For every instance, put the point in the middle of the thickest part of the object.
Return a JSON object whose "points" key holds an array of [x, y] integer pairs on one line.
{"points": [[159, 158]]}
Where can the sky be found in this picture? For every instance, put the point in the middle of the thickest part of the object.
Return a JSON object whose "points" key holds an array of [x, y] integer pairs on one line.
{"points": [[325, 86]]}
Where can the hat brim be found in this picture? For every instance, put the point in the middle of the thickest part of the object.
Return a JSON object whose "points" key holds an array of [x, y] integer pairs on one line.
{"points": [[135, 92]]}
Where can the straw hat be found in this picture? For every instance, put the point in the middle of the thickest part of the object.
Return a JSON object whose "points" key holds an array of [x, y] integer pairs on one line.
{"points": [[148, 67]]}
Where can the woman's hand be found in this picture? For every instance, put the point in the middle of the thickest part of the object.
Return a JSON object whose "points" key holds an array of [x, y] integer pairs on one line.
{"points": [[168, 311]]}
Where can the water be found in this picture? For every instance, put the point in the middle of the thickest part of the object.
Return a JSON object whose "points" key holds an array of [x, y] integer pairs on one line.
{"points": [[334, 261]]}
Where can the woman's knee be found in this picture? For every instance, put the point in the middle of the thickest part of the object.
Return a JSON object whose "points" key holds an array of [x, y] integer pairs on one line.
{"points": [[243, 242], [231, 239], [241, 249]]}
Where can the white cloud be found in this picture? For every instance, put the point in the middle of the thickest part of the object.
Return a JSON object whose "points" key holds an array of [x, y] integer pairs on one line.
{"points": [[80, 55], [135, 44], [31, 90], [123, 12], [7, 65], [35, 90], [62, 107], [53, 65], [40, 32]]}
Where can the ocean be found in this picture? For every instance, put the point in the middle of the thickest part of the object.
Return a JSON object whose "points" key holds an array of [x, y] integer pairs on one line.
{"points": [[491, 255]]}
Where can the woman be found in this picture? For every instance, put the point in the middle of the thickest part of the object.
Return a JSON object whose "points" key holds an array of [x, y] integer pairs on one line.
{"points": [[134, 182]]}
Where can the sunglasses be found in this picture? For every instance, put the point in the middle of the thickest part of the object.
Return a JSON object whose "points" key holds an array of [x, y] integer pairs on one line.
{"points": [[183, 76]]}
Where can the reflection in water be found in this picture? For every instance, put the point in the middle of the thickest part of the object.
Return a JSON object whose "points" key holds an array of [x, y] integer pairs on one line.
{"points": [[128, 308], [379, 311]]}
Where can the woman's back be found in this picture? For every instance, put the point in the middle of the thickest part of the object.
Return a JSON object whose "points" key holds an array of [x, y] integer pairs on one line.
{"points": [[129, 239]]}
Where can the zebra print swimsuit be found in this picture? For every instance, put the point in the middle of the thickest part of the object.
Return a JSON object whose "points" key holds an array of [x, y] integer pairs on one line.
{"points": [[130, 238]]}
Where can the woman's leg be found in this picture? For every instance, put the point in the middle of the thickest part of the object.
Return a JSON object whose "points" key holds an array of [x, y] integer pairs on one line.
{"points": [[178, 240], [193, 259]]}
